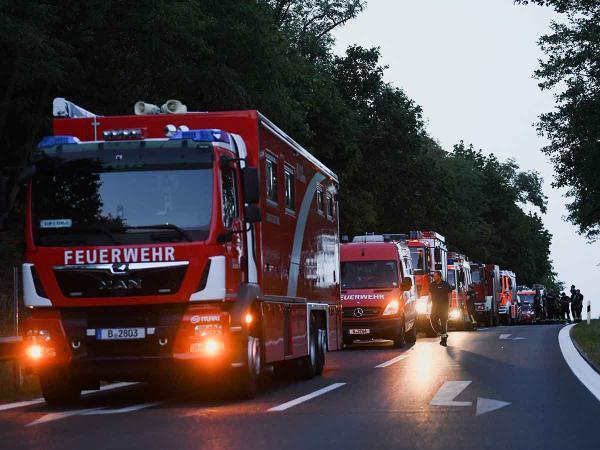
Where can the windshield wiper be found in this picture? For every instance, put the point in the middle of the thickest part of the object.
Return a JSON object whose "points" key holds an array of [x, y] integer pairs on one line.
{"points": [[95, 228], [161, 226]]}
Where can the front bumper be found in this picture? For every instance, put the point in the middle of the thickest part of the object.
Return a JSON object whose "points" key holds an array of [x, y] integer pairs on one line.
{"points": [[378, 329]]}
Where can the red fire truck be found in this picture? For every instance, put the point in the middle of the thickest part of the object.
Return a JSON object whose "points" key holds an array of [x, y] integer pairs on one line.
{"points": [[459, 275], [378, 293], [508, 309], [485, 285], [169, 242], [429, 253]]}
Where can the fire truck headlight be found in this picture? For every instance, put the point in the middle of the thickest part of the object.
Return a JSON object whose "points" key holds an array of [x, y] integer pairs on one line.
{"points": [[392, 308], [34, 351], [422, 305], [454, 313]]}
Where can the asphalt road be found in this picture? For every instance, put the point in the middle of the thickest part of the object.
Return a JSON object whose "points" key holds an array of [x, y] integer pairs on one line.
{"points": [[486, 390]]}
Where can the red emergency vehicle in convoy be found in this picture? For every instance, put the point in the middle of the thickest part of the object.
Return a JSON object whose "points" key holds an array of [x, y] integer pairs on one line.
{"points": [[459, 276], [163, 244], [429, 253], [378, 293], [485, 279], [527, 299], [508, 309]]}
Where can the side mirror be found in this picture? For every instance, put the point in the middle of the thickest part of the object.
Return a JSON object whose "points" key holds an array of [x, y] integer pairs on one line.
{"points": [[406, 284], [26, 174], [251, 185], [252, 214], [3, 195]]}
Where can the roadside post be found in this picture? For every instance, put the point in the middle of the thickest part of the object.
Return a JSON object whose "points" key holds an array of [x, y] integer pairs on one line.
{"points": [[17, 372], [589, 312]]}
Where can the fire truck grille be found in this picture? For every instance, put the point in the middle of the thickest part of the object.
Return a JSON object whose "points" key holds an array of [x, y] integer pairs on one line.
{"points": [[98, 282], [159, 321], [365, 312]]}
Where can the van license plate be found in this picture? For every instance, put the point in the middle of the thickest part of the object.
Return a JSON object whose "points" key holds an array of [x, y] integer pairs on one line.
{"points": [[120, 334], [359, 331]]}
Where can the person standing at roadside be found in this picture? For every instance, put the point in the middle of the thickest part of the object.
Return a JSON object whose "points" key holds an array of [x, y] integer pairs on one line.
{"points": [[579, 304], [439, 292], [550, 305], [564, 306], [537, 304]]}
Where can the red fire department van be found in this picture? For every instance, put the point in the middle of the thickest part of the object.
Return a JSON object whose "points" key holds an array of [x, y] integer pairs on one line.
{"points": [[485, 279], [508, 308], [173, 242], [429, 253], [378, 294], [459, 276]]}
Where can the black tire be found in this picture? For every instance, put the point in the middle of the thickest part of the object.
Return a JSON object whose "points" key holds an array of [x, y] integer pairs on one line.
{"points": [[411, 336], [400, 338], [248, 378], [314, 362], [59, 388]]}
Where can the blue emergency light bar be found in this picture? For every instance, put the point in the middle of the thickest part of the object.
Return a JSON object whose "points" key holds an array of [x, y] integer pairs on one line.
{"points": [[51, 141], [203, 135]]}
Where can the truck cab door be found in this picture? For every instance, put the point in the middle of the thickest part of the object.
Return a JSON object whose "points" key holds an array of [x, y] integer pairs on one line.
{"points": [[233, 225]]}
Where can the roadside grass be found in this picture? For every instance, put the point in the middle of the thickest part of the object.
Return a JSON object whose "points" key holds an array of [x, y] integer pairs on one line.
{"points": [[588, 339], [9, 392]]}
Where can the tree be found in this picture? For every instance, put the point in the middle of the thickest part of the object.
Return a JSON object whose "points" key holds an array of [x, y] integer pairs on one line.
{"points": [[573, 64]]}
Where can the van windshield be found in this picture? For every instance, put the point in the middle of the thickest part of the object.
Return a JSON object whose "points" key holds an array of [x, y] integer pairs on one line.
{"points": [[369, 274]]}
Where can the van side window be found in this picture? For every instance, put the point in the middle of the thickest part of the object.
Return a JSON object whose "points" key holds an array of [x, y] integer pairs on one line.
{"points": [[229, 196], [271, 179], [290, 189], [330, 209], [320, 200]]}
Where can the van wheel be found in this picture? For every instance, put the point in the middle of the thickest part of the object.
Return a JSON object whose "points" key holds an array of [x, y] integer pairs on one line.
{"points": [[399, 339], [411, 336], [314, 362], [59, 388]]}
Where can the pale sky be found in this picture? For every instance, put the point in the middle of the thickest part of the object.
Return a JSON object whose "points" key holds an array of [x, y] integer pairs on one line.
{"points": [[470, 64]]}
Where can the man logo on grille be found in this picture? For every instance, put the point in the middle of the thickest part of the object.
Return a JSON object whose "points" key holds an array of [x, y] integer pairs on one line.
{"points": [[120, 267], [358, 312]]}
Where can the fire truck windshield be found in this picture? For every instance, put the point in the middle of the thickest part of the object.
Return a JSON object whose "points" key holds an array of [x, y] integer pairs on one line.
{"points": [[527, 298], [369, 274], [418, 260], [83, 202]]}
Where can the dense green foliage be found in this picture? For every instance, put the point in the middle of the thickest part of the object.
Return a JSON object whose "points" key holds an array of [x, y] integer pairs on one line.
{"points": [[276, 56], [572, 66]]}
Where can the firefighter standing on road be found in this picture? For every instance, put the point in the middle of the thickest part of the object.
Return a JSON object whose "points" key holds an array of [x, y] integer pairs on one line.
{"points": [[578, 304], [573, 302], [537, 304], [440, 291], [551, 305], [564, 305]]}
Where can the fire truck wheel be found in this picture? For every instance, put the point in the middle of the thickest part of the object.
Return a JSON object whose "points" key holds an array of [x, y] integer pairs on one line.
{"points": [[249, 378], [315, 361], [400, 338], [59, 388], [411, 336]]}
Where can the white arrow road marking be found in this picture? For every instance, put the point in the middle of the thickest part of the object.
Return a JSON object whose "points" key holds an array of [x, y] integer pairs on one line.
{"points": [[448, 392], [505, 336], [518, 338], [306, 397], [486, 405], [59, 415], [124, 410]]}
